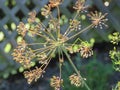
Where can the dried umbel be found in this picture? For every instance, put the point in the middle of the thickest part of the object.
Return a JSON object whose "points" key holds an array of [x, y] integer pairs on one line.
{"points": [[75, 80], [55, 3], [21, 29], [23, 55], [56, 82], [98, 19], [32, 17], [33, 74], [75, 25], [86, 52], [80, 5], [51, 41]]}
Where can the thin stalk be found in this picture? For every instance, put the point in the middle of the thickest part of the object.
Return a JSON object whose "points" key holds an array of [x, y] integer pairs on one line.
{"points": [[49, 59], [58, 9], [38, 34], [85, 29], [47, 30], [59, 51], [44, 51], [30, 44], [72, 23], [51, 16], [65, 51], [48, 47]]}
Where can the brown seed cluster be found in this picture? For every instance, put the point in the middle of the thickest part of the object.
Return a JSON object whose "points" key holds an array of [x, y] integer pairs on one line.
{"points": [[21, 29], [55, 3], [56, 82], [46, 11], [23, 54], [33, 75], [75, 80], [98, 19], [86, 52], [80, 5], [75, 25], [32, 17]]}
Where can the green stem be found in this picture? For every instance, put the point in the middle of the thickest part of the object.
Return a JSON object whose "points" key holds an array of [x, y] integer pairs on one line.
{"points": [[75, 69], [80, 32], [59, 52], [58, 9], [67, 31]]}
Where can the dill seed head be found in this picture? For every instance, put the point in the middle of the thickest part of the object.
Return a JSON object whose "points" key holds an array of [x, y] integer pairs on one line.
{"points": [[33, 75], [56, 82], [75, 80], [32, 17], [98, 19], [42, 58], [75, 25], [23, 55], [55, 3], [85, 49], [21, 29], [80, 5], [86, 52]]}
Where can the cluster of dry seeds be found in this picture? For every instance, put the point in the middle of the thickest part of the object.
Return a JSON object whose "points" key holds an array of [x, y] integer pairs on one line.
{"points": [[53, 41]]}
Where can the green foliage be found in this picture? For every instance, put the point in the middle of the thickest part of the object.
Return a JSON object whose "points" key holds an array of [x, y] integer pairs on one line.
{"points": [[115, 53], [95, 73], [114, 38], [117, 87], [115, 56]]}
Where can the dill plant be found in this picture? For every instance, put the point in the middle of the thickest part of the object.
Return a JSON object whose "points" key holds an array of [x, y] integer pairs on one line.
{"points": [[54, 41], [115, 54]]}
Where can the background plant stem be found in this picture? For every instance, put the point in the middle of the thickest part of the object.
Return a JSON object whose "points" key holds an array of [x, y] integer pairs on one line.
{"points": [[75, 69]]}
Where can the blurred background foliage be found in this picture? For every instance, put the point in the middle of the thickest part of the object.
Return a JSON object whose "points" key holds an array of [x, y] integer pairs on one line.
{"points": [[14, 11], [92, 70]]}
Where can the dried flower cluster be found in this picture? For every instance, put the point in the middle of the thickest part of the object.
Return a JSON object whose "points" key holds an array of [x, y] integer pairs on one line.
{"points": [[53, 41], [33, 75], [75, 80], [80, 5], [98, 19], [56, 82]]}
